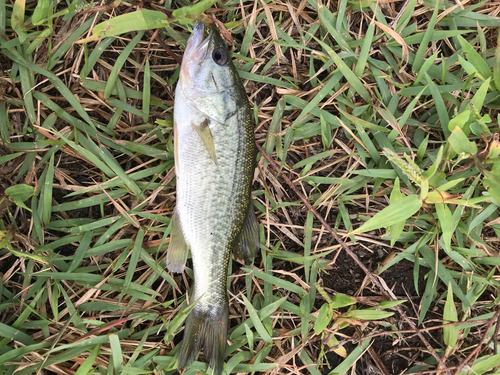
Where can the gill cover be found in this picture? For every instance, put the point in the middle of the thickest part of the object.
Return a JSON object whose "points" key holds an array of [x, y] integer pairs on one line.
{"points": [[209, 78]]}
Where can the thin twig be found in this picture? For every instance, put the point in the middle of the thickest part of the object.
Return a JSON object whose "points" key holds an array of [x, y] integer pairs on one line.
{"points": [[155, 36], [164, 45], [378, 361]]}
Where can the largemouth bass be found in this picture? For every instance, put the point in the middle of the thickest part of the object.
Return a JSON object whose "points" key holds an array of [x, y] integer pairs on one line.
{"points": [[214, 163]]}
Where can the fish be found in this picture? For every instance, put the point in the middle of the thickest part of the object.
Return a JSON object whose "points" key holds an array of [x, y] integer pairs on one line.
{"points": [[214, 151]]}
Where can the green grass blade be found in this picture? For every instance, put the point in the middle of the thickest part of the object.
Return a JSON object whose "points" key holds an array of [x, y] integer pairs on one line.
{"points": [[116, 353], [351, 358], [86, 366], [392, 214], [423, 48], [47, 192], [256, 321], [134, 258], [146, 97], [81, 251], [120, 61]]}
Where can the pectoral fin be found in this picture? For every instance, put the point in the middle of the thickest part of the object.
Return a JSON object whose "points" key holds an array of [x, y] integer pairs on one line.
{"points": [[205, 134], [178, 248], [249, 238]]}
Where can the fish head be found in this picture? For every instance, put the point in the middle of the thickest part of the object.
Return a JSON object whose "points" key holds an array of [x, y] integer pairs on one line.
{"points": [[208, 79]]}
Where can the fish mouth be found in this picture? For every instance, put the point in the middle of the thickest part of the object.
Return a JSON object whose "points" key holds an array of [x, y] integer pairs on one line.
{"points": [[197, 45]]}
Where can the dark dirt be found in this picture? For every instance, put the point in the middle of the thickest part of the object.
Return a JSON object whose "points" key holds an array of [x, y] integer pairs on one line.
{"points": [[347, 277]]}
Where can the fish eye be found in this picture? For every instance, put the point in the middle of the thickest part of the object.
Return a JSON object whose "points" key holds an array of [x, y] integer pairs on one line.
{"points": [[220, 56]]}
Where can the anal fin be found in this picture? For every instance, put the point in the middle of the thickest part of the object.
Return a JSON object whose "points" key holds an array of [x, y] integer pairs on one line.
{"points": [[178, 248], [249, 238], [205, 134]]}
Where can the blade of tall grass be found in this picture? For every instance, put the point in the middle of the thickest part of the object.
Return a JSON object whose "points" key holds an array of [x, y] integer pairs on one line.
{"points": [[123, 56], [423, 47]]}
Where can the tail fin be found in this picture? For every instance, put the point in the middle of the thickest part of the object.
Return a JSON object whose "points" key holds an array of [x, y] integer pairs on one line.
{"points": [[206, 328]]}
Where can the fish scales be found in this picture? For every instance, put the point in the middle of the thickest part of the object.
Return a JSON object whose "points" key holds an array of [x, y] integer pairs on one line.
{"points": [[214, 161], [214, 198]]}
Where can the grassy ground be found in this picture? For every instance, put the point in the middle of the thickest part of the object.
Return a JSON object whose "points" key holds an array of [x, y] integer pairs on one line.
{"points": [[377, 189]]}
